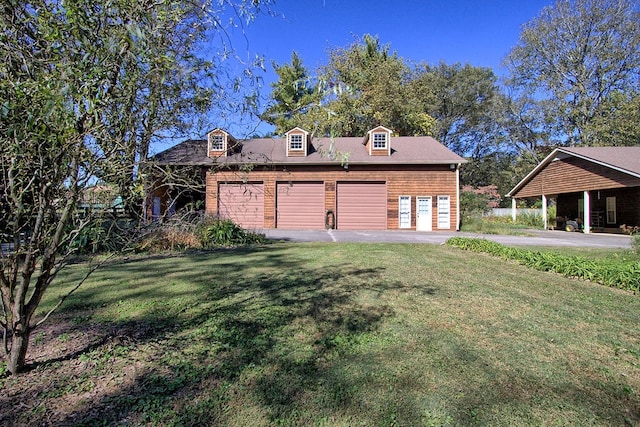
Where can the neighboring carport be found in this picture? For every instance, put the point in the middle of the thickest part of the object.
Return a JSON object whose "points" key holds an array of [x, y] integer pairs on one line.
{"points": [[599, 187]]}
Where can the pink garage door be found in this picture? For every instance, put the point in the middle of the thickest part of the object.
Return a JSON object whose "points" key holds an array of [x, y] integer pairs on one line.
{"points": [[361, 206], [242, 203], [300, 205]]}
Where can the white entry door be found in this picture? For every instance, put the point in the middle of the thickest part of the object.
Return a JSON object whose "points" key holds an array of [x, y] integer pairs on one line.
{"points": [[423, 214]]}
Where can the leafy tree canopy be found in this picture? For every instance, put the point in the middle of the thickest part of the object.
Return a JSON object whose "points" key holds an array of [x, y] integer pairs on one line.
{"points": [[570, 62]]}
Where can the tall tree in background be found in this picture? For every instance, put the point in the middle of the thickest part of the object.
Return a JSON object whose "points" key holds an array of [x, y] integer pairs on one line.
{"points": [[292, 95], [572, 60], [372, 90], [466, 102], [85, 87]]}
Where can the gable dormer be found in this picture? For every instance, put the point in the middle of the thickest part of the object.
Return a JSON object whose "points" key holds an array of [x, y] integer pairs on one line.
{"points": [[297, 142], [378, 141], [221, 143]]}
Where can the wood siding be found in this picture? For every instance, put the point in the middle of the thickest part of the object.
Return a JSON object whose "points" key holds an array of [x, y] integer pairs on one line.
{"points": [[573, 175], [406, 180]]}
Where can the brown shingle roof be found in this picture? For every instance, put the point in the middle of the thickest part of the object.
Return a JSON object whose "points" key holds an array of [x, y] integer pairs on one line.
{"points": [[404, 150], [625, 158]]}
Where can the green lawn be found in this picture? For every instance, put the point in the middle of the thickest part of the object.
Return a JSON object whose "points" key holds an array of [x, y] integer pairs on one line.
{"points": [[334, 335]]}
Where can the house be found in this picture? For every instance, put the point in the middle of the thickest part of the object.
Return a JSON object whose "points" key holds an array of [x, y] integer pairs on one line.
{"points": [[598, 187], [377, 181]]}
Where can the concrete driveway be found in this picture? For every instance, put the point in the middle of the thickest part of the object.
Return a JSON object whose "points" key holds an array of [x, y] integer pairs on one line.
{"points": [[535, 237]]}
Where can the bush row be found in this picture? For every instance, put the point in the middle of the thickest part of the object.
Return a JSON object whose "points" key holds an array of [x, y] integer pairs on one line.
{"points": [[619, 274]]}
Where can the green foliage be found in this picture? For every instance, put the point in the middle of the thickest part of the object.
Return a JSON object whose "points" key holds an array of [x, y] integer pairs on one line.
{"points": [[292, 95], [635, 244], [570, 61], [224, 232], [494, 225], [473, 205], [623, 274]]}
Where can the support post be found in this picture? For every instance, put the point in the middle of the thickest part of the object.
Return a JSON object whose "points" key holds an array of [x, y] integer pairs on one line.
{"points": [[544, 212], [586, 221], [514, 210]]}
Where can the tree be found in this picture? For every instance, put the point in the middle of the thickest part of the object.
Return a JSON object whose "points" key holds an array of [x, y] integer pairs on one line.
{"points": [[617, 122], [293, 95], [370, 90], [86, 86], [572, 58], [466, 102]]}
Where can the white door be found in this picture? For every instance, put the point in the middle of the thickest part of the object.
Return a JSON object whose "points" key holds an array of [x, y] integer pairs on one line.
{"points": [[405, 212], [423, 214]]}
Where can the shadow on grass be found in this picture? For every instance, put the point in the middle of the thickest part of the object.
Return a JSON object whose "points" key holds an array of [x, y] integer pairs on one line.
{"points": [[258, 322]]}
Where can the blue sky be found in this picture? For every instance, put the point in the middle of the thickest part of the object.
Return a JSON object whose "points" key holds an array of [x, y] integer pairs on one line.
{"points": [[480, 33], [477, 32]]}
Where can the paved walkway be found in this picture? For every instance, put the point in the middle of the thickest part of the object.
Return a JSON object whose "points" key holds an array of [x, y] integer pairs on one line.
{"points": [[535, 237]]}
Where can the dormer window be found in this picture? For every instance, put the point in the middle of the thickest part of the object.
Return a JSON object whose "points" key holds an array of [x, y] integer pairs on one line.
{"points": [[222, 144], [380, 141], [296, 142], [216, 142]]}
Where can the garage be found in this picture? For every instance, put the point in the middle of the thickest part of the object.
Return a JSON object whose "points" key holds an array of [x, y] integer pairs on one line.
{"points": [[361, 206], [300, 205], [242, 203]]}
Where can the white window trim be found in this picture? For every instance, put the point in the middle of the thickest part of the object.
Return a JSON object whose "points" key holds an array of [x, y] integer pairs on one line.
{"points": [[221, 141], [374, 141], [442, 224], [400, 212], [291, 142]]}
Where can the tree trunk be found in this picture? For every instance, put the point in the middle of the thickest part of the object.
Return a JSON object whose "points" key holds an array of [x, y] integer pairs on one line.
{"points": [[18, 352]]}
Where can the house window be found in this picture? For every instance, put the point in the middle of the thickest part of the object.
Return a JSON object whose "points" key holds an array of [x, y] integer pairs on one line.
{"points": [[444, 212], [405, 212], [216, 142], [295, 142], [611, 210], [379, 141]]}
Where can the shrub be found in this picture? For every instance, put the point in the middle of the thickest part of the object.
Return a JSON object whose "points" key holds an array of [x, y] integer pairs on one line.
{"points": [[635, 244], [226, 233], [620, 274]]}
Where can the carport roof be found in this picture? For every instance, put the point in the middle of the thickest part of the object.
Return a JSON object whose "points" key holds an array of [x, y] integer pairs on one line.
{"points": [[404, 150], [622, 159]]}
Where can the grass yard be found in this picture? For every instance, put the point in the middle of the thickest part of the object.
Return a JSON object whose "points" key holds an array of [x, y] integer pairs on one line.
{"points": [[332, 335]]}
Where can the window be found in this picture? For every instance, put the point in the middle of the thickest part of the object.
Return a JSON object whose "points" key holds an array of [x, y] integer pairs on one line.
{"points": [[611, 210], [405, 212], [216, 142], [444, 212], [379, 141], [295, 142]]}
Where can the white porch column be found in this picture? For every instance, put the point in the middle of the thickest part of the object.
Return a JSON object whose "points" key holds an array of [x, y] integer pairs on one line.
{"points": [[514, 210], [544, 212], [586, 221], [458, 198]]}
